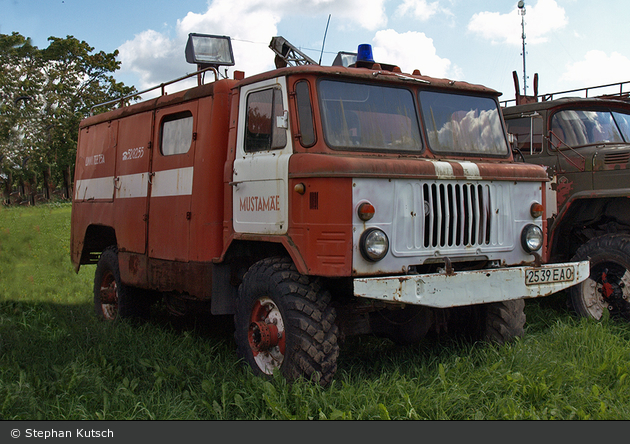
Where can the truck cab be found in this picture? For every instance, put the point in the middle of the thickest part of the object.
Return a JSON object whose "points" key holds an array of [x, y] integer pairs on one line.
{"points": [[584, 143]]}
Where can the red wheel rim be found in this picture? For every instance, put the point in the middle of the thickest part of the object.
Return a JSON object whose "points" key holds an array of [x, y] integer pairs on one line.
{"points": [[266, 335], [109, 296]]}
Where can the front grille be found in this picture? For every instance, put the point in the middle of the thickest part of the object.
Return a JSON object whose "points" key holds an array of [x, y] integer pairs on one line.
{"points": [[456, 215], [617, 158]]}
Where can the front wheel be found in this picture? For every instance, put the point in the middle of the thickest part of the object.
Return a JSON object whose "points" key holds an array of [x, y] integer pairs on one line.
{"points": [[284, 321], [608, 285]]}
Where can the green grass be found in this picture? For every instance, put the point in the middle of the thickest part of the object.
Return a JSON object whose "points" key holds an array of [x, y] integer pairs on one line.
{"points": [[57, 362]]}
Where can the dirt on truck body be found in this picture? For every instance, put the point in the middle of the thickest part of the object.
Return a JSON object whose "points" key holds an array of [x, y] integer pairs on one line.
{"points": [[313, 203], [584, 142]]}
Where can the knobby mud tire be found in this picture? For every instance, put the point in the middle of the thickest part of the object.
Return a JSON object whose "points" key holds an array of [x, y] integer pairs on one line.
{"points": [[299, 308], [504, 321], [496, 322], [611, 252]]}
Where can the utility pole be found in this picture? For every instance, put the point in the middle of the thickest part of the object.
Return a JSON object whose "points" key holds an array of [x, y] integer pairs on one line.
{"points": [[521, 7]]}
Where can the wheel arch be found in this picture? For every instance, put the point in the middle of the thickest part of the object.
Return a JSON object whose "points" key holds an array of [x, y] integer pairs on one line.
{"points": [[97, 238], [585, 216], [228, 272]]}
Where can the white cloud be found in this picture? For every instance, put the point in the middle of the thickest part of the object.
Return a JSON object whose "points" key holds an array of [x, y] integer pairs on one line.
{"points": [[369, 14], [597, 68], [421, 9], [149, 53], [411, 50], [542, 18], [156, 57]]}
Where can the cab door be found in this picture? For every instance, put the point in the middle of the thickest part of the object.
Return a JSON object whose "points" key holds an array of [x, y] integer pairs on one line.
{"points": [[171, 182], [260, 178]]}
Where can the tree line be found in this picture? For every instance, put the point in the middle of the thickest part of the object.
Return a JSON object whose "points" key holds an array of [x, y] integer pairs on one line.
{"points": [[44, 95]]}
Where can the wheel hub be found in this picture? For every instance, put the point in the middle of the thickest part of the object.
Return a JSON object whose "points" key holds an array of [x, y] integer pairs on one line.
{"points": [[263, 336], [108, 294]]}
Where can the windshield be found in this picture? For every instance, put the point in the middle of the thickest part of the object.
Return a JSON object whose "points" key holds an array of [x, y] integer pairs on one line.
{"points": [[579, 127], [361, 116], [460, 124], [623, 122]]}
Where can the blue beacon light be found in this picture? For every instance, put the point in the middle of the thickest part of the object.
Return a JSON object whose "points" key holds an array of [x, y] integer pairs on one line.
{"points": [[364, 53]]}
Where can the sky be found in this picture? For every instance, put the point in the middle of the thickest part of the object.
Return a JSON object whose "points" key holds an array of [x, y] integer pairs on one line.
{"points": [[569, 43]]}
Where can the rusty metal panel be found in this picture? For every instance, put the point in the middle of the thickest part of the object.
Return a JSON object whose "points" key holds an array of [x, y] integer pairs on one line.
{"points": [[473, 287], [207, 206], [133, 268], [171, 186], [94, 183], [405, 166], [96, 160], [322, 233], [193, 278], [131, 181], [611, 167]]}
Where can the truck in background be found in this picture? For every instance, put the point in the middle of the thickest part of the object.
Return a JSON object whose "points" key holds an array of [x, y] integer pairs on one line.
{"points": [[313, 203], [584, 142]]}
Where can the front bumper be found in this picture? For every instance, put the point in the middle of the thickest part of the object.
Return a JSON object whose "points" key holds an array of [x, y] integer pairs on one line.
{"points": [[473, 287]]}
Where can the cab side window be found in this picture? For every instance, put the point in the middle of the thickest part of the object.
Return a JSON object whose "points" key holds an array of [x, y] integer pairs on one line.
{"points": [[305, 113], [266, 124], [176, 134], [528, 133]]}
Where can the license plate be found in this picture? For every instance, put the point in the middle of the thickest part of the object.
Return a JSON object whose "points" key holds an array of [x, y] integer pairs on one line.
{"points": [[537, 276]]}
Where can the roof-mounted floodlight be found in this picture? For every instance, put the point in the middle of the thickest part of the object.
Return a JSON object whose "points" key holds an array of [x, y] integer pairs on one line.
{"points": [[345, 59], [209, 50]]}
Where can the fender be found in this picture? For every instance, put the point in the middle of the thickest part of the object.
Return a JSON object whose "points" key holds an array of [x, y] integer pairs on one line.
{"points": [[560, 219]]}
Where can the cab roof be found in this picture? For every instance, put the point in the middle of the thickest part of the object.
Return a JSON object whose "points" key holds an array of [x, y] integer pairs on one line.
{"points": [[565, 102]]}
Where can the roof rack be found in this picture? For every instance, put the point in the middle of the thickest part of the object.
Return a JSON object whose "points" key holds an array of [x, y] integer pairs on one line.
{"points": [[586, 93], [161, 86]]}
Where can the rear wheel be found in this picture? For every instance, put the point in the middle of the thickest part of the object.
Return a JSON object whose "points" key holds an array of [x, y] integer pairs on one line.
{"points": [[284, 321], [608, 285], [112, 299]]}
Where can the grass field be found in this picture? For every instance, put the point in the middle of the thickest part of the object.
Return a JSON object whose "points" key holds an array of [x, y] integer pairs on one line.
{"points": [[57, 362]]}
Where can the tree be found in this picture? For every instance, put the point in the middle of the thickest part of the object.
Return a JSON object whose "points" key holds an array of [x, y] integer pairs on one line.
{"points": [[44, 95], [20, 81]]}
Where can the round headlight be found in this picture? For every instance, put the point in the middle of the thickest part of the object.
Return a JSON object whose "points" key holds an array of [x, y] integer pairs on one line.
{"points": [[532, 238], [374, 244]]}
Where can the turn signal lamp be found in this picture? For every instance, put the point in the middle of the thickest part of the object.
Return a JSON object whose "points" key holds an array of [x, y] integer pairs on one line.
{"points": [[536, 210], [366, 211], [364, 53]]}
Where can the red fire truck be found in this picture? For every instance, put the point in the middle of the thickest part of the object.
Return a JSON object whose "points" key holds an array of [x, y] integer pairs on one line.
{"points": [[314, 202]]}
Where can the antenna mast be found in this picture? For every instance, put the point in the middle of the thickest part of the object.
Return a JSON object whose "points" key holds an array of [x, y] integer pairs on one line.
{"points": [[521, 7], [324, 42]]}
